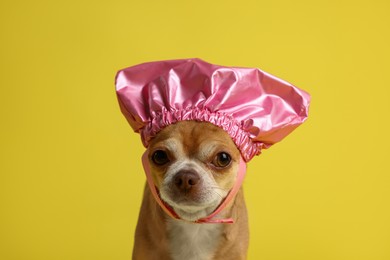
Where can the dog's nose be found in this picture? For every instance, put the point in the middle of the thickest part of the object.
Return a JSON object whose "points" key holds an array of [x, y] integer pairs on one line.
{"points": [[185, 180]]}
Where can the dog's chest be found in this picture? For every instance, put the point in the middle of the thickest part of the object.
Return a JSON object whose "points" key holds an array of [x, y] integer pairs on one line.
{"points": [[193, 241]]}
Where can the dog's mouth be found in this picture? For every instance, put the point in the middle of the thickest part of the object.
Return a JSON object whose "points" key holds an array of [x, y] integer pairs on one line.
{"points": [[191, 207], [188, 202], [189, 210]]}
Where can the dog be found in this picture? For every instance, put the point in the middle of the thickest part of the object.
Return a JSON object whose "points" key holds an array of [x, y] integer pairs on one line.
{"points": [[201, 123], [194, 165]]}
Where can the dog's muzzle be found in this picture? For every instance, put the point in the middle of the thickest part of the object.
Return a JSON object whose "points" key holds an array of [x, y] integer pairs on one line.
{"points": [[185, 181]]}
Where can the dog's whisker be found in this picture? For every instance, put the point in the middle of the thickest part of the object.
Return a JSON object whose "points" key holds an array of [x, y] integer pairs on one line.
{"points": [[218, 194], [219, 188]]}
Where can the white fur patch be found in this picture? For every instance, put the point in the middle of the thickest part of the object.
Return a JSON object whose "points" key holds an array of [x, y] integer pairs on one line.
{"points": [[190, 241]]}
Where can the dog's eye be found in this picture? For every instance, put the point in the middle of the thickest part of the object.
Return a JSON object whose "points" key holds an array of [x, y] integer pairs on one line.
{"points": [[160, 157], [222, 160]]}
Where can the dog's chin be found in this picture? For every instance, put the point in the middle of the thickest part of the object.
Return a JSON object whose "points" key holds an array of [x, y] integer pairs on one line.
{"points": [[192, 211], [193, 215]]}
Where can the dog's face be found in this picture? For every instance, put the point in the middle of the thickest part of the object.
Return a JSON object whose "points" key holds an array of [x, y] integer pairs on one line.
{"points": [[194, 165]]}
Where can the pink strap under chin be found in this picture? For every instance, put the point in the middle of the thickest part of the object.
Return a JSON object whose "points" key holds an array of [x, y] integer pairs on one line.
{"points": [[209, 219]]}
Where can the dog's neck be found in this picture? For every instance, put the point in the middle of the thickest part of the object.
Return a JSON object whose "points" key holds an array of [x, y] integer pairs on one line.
{"points": [[192, 241], [159, 236]]}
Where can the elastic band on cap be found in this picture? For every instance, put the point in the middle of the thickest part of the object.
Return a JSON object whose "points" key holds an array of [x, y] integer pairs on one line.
{"points": [[240, 137]]}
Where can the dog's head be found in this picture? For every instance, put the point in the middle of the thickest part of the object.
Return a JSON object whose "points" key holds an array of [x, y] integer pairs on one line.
{"points": [[194, 165]]}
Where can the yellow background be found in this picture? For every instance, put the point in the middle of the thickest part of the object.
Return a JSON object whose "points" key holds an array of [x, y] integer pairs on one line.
{"points": [[71, 178]]}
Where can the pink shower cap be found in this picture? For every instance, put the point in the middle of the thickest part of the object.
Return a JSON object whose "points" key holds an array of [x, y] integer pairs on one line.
{"points": [[255, 108]]}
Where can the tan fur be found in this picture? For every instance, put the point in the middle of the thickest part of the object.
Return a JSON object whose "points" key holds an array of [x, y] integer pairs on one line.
{"points": [[198, 143]]}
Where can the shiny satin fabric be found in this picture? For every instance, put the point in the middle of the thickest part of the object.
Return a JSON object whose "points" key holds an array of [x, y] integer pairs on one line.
{"points": [[255, 108]]}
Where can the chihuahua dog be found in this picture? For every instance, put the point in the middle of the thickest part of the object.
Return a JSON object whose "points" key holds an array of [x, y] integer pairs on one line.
{"points": [[194, 165]]}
